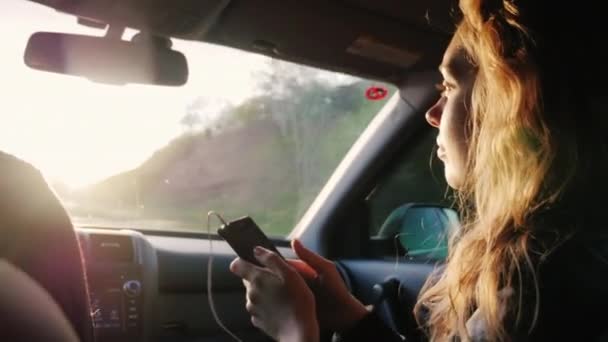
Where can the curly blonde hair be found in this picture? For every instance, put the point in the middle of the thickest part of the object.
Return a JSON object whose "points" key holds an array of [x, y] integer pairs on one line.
{"points": [[521, 162]]}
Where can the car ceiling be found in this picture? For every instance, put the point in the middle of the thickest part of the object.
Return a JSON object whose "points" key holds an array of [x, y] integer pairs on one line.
{"points": [[381, 39]]}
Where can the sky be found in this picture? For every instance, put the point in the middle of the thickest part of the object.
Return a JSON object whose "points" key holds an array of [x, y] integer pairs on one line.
{"points": [[79, 132]]}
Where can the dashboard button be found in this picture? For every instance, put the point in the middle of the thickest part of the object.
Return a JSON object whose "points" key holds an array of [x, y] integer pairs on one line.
{"points": [[132, 288]]}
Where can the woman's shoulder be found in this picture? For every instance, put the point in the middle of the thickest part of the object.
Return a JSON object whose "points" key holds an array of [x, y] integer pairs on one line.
{"points": [[573, 288], [577, 262], [579, 253]]}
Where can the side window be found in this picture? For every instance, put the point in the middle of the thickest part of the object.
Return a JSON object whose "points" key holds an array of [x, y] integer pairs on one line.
{"points": [[409, 207]]}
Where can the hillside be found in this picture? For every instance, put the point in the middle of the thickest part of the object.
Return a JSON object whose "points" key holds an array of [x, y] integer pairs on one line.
{"points": [[268, 157]]}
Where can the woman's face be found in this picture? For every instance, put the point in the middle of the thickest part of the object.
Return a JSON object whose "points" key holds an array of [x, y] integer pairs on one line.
{"points": [[450, 113]]}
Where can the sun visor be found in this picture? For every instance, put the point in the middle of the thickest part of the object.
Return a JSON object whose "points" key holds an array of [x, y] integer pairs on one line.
{"points": [[370, 47]]}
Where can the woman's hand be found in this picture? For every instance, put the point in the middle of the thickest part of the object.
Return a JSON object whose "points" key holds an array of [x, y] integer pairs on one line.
{"points": [[337, 309], [278, 299]]}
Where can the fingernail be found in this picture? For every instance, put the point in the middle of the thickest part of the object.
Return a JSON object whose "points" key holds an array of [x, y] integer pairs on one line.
{"points": [[258, 251]]}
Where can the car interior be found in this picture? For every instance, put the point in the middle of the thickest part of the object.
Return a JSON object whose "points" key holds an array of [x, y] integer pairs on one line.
{"points": [[381, 211]]}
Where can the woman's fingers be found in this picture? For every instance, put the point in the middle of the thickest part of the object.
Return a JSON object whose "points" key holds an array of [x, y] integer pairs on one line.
{"points": [[251, 308], [317, 262], [277, 298], [257, 322], [304, 269], [254, 298], [273, 262], [245, 270]]}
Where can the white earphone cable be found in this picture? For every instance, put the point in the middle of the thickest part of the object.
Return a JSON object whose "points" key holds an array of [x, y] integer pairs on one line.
{"points": [[209, 276]]}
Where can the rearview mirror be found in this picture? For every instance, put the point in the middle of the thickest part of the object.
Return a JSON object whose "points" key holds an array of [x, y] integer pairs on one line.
{"points": [[106, 60], [418, 231]]}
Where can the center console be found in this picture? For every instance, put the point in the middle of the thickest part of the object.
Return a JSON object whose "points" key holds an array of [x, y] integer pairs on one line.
{"points": [[114, 267]]}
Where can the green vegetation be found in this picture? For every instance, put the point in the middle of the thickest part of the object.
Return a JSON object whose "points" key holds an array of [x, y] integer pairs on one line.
{"points": [[267, 157]]}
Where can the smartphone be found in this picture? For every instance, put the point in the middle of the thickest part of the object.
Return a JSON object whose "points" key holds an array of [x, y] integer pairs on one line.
{"points": [[243, 235]]}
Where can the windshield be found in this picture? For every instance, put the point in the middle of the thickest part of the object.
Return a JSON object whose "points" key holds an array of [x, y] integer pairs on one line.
{"points": [[247, 135]]}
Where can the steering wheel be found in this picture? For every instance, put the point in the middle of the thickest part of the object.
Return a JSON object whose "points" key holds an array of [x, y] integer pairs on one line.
{"points": [[394, 304]]}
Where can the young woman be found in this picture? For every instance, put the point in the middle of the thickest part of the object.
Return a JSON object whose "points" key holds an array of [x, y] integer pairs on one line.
{"points": [[521, 135]]}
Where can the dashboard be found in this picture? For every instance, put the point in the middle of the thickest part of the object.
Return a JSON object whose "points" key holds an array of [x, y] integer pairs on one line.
{"points": [[154, 287]]}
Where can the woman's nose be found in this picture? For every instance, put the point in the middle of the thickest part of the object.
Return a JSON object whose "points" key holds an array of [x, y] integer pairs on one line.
{"points": [[433, 115]]}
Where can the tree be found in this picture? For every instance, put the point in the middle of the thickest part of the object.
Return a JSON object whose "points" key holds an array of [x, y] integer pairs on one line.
{"points": [[190, 121]]}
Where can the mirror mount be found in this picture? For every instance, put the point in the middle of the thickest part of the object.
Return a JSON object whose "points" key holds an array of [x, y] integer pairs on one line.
{"points": [[115, 32], [157, 41]]}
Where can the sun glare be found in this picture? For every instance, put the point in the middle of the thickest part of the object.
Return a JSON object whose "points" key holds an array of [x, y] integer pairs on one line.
{"points": [[78, 132]]}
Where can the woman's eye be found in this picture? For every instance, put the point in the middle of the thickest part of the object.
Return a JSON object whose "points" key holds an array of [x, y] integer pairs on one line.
{"points": [[443, 88]]}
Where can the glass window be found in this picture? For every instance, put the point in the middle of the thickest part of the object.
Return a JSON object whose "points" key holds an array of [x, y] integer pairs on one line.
{"points": [[248, 135], [415, 179]]}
